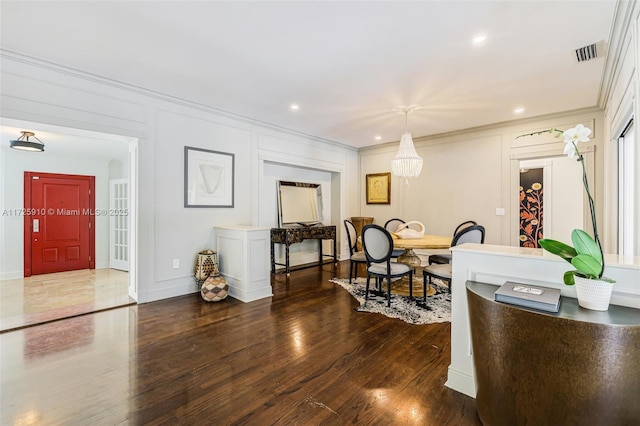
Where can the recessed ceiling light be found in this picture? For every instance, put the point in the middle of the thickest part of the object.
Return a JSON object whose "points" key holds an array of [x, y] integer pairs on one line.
{"points": [[518, 110], [295, 107], [479, 38], [378, 138]]}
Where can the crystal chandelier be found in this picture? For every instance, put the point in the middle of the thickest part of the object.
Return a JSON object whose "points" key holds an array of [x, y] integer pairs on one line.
{"points": [[407, 163]]}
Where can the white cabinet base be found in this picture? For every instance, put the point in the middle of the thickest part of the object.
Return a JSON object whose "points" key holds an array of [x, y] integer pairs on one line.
{"points": [[243, 257]]}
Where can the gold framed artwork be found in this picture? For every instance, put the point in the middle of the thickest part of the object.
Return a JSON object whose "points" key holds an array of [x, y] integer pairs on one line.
{"points": [[379, 188]]}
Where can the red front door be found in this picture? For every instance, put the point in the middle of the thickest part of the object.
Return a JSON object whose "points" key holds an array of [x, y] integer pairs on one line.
{"points": [[59, 223]]}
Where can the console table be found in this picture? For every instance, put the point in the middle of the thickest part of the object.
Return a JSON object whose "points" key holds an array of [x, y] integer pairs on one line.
{"points": [[298, 234], [572, 367]]}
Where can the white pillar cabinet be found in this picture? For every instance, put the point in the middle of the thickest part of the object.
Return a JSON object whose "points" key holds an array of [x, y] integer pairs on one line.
{"points": [[243, 257]]}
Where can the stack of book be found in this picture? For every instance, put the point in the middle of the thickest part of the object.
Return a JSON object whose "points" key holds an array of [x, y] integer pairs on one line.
{"points": [[531, 296]]}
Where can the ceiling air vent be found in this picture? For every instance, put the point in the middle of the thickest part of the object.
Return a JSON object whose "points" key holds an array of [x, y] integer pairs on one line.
{"points": [[592, 51]]}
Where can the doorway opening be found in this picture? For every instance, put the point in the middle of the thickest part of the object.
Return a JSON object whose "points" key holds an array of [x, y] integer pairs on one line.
{"points": [[550, 188], [69, 151], [531, 206]]}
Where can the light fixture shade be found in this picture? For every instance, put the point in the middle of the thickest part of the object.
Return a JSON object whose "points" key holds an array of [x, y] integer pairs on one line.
{"points": [[24, 144], [407, 162]]}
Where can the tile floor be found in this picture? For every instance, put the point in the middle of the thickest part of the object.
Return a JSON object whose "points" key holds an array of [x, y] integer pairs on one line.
{"points": [[43, 298]]}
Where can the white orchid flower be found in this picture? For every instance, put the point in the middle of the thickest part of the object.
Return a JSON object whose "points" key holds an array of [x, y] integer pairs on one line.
{"points": [[570, 149], [573, 136], [577, 134]]}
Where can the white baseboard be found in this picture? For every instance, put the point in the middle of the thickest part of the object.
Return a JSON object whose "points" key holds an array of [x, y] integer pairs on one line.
{"points": [[181, 288], [102, 265], [246, 296], [13, 275], [461, 382]]}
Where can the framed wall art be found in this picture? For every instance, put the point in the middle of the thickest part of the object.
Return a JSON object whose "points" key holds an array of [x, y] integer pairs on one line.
{"points": [[378, 188], [208, 178]]}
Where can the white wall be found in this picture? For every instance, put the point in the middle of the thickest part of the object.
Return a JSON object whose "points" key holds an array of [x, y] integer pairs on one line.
{"points": [[620, 99], [49, 94], [469, 174], [309, 160], [307, 251], [454, 186], [118, 168]]}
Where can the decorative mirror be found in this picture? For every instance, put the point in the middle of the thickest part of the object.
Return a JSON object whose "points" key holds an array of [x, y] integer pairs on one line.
{"points": [[299, 204]]}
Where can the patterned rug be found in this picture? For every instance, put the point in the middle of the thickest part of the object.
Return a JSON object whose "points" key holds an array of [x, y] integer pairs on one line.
{"points": [[437, 308]]}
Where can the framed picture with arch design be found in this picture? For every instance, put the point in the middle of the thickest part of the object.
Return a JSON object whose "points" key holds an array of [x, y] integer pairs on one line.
{"points": [[208, 178]]}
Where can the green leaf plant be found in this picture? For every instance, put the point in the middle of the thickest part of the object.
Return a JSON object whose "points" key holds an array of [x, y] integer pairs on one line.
{"points": [[587, 255]]}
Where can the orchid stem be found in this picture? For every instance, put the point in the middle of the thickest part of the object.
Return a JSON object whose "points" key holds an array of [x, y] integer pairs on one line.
{"points": [[592, 210]]}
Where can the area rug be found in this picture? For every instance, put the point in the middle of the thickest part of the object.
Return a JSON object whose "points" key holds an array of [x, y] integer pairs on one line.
{"points": [[437, 308]]}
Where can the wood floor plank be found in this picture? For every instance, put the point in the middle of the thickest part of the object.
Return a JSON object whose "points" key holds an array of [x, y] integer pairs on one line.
{"points": [[304, 357]]}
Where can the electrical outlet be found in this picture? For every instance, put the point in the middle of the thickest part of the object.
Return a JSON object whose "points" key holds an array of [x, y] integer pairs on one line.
{"points": [[176, 263], [499, 211]]}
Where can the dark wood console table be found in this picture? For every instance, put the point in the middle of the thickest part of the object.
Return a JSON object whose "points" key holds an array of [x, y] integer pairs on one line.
{"points": [[574, 367], [297, 234]]}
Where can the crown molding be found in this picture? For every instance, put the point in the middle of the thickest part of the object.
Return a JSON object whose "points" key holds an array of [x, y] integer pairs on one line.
{"points": [[95, 78], [619, 38]]}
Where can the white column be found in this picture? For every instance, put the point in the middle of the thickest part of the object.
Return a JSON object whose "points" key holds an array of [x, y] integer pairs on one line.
{"points": [[243, 257]]}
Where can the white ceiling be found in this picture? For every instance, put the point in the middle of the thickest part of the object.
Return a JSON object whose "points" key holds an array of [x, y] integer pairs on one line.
{"points": [[66, 142], [347, 64]]}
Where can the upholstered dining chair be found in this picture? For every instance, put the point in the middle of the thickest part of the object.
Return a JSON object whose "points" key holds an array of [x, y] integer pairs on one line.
{"points": [[471, 234], [378, 247], [392, 226], [446, 257], [355, 257]]}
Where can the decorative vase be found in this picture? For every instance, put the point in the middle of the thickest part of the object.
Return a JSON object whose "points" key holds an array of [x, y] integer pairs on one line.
{"points": [[593, 294], [206, 265], [214, 289]]}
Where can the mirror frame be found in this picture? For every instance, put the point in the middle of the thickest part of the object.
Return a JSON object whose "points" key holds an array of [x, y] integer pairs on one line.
{"points": [[311, 186]]}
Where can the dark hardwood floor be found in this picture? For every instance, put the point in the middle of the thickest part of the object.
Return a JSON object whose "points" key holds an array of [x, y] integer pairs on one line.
{"points": [[303, 357]]}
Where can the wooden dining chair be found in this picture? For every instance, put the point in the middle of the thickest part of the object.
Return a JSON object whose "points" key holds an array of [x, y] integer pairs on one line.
{"points": [[378, 247]]}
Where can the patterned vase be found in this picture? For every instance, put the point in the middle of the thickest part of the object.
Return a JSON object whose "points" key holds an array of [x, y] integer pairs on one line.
{"points": [[593, 294], [206, 265], [214, 289]]}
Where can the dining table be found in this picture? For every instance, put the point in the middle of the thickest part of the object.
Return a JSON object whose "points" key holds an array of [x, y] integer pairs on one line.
{"points": [[426, 242]]}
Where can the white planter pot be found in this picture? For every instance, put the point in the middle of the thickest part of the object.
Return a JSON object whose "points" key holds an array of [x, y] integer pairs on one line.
{"points": [[593, 294]]}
